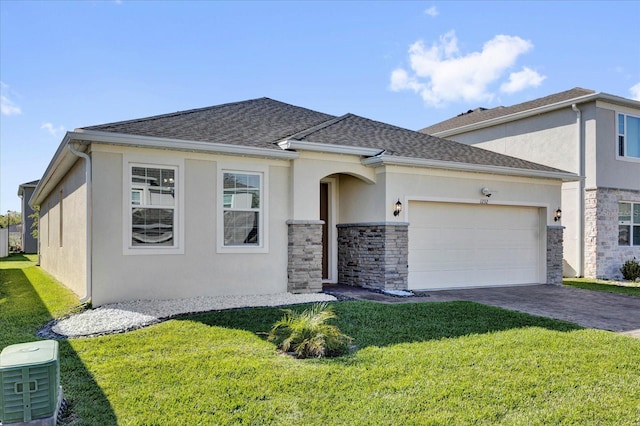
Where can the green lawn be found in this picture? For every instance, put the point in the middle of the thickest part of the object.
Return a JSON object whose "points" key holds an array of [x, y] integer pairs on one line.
{"points": [[631, 289], [415, 364]]}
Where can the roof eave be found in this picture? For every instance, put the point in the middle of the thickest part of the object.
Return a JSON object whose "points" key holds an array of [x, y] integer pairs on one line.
{"points": [[382, 160], [63, 159], [536, 111], [95, 136], [295, 144], [60, 163]]}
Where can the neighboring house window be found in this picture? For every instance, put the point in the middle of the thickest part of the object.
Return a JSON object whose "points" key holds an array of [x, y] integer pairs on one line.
{"points": [[628, 136], [152, 206], [242, 209], [629, 224]]}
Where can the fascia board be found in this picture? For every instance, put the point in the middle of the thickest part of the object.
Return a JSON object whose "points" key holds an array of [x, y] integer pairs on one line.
{"points": [[328, 148], [527, 113], [59, 164], [383, 160], [178, 144]]}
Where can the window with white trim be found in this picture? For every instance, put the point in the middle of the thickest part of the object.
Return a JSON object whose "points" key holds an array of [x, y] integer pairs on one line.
{"points": [[152, 206], [242, 209], [628, 224], [628, 136]]}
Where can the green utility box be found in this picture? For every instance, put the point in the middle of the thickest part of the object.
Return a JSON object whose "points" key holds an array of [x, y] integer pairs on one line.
{"points": [[29, 381]]}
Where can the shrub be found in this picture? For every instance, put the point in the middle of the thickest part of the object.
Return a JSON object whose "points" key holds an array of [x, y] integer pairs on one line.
{"points": [[308, 335], [631, 270]]}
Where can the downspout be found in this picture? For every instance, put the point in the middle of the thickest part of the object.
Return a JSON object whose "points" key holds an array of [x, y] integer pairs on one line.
{"points": [[581, 185], [87, 159]]}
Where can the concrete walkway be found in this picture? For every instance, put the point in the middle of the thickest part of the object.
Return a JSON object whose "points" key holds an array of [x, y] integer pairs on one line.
{"points": [[591, 309]]}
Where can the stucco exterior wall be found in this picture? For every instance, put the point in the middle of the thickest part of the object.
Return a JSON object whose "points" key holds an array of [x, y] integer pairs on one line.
{"points": [[63, 245], [611, 171], [202, 270], [549, 139], [464, 187]]}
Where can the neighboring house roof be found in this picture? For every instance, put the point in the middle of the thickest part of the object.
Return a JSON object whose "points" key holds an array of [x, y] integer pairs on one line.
{"points": [[481, 114], [268, 128], [22, 186]]}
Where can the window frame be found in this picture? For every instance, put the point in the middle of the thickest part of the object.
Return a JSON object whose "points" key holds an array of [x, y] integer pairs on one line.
{"points": [[263, 215], [177, 165], [631, 223], [621, 136]]}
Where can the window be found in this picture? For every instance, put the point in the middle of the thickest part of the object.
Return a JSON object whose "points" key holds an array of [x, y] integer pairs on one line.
{"points": [[152, 205], [242, 209], [629, 224], [628, 136]]}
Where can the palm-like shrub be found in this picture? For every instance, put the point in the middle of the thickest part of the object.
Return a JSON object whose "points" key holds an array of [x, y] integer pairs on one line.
{"points": [[308, 334]]}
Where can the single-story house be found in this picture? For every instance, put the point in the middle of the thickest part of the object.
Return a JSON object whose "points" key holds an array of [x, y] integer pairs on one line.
{"points": [[593, 134], [261, 197], [29, 242]]}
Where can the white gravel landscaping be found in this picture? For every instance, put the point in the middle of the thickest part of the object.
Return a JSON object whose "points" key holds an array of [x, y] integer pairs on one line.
{"points": [[124, 316]]}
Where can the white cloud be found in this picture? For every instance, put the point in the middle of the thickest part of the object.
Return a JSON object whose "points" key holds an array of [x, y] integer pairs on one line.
{"points": [[432, 11], [521, 80], [635, 92], [441, 74], [7, 107], [53, 131]]}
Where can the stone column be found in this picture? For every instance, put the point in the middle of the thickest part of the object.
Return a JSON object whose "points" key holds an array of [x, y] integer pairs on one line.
{"points": [[554, 254], [373, 255], [304, 269]]}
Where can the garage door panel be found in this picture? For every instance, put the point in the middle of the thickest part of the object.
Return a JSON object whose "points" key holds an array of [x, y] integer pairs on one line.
{"points": [[461, 245]]}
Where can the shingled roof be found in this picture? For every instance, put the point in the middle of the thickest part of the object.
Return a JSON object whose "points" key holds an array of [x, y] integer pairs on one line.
{"points": [[481, 114], [264, 122], [256, 123]]}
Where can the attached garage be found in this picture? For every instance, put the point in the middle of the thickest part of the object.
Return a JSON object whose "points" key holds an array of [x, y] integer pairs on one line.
{"points": [[454, 245]]}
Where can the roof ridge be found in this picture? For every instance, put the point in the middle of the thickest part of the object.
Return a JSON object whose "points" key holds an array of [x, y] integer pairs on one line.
{"points": [[313, 129]]}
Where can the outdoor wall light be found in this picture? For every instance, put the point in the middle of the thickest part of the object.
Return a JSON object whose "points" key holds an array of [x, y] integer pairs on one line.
{"points": [[397, 208], [557, 215]]}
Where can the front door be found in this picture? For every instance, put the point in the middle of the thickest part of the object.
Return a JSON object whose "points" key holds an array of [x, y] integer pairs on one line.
{"points": [[324, 216]]}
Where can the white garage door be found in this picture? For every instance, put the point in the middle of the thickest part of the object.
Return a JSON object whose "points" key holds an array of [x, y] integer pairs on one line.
{"points": [[467, 245]]}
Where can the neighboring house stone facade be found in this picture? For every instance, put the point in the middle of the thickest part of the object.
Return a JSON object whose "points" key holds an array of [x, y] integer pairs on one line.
{"points": [[595, 135]]}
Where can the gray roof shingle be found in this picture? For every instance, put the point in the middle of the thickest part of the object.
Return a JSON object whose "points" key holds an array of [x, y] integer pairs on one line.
{"points": [[263, 122], [256, 123], [481, 114]]}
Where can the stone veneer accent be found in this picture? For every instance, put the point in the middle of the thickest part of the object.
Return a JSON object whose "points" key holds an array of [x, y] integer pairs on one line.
{"points": [[304, 269], [554, 254], [373, 255], [603, 257]]}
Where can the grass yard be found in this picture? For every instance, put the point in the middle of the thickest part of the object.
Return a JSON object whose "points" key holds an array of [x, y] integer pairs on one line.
{"points": [[428, 363], [630, 289]]}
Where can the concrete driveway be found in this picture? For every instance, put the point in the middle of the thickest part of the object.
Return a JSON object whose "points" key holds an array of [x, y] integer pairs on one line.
{"points": [[591, 309]]}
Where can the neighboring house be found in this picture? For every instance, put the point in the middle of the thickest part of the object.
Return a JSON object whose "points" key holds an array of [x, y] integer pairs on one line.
{"points": [[15, 235], [595, 135], [262, 197], [29, 242]]}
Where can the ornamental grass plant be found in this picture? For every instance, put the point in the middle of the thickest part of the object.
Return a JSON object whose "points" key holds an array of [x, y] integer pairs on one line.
{"points": [[308, 334]]}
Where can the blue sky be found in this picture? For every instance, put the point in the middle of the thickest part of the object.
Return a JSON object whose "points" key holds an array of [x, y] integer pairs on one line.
{"points": [[69, 64]]}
